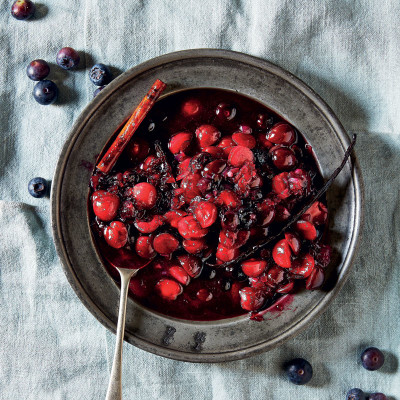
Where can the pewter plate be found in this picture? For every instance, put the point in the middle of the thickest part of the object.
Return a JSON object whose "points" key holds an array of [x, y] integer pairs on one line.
{"points": [[279, 90]]}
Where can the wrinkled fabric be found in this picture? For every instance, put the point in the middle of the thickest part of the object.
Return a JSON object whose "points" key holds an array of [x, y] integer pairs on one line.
{"points": [[348, 52]]}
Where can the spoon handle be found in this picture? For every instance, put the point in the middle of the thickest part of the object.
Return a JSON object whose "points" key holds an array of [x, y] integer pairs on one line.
{"points": [[114, 391]]}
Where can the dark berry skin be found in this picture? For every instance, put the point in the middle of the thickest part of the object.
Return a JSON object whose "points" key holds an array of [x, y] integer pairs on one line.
{"points": [[45, 92], [377, 396], [38, 187], [98, 90], [355, 394], [299, 371], [37, 70], [372, 359], [22, 9], [100, 75], [68, 58]]}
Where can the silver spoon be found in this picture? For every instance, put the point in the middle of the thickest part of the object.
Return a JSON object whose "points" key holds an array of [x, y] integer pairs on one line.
{"points": [[114, 391]]}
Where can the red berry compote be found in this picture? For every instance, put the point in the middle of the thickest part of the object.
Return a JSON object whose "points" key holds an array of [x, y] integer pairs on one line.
{"points": [[209, 174]]}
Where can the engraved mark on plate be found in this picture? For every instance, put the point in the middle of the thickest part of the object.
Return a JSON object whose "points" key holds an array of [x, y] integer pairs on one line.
{"points": [[169, 335], [199, 339]]}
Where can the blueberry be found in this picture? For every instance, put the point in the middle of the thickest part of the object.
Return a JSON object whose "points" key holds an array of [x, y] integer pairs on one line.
{"points": [[68, 58], [98, 90], [22, 9], [355, 394], [372, 359], [299, 371], [38, 187], [45, 92], [377, 396], [100, 75], [37, 70]]}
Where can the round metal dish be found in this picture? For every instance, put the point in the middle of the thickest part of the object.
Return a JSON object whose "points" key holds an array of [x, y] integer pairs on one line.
{"points": [[227, 339]]}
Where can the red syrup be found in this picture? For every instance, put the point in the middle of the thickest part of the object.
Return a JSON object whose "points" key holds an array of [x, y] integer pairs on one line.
{"points": [[208, 174]]}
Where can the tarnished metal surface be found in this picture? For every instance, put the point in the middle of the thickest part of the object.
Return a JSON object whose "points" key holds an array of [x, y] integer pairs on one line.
{"points": [[279, 90]]}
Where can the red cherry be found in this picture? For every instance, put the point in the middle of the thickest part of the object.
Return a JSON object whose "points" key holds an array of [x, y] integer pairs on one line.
{"points": [[316, 279], [105, 205], [253, 267], [286, 288], [239, 155], [294, 242], [194, 246], [229, 199], [183, 168], [127, 210], [137, 150], [282, 213], [282, 133], [225, 111], [303, 266], [174, 216], [226, 144], [144, 247], [280, 185], [168, 289], [165, 244], [204, 295], [139, 287], [233, 239], [213, 169], [224, 254], [179, 274], [282, 254], [274, 276], [215, 151], [264, 121], [267, 211], [189, 228], [145, 195], [191, 107], [264, 142], [244, 139], [179, 142], [116, 235], [324, 255], [149, 226], [206, 213], [251, 299], [299, 182], [189, 186], [283, 158], [306, 229], [316, 214], [245, 129], [191, 264], [207, 135]]}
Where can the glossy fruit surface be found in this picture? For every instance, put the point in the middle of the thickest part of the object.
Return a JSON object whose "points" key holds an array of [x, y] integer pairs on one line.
{"points": [[38, 187], [37, 70], [105, 205], [45, 92], [68, 58], [356, 394], [116, 234], [100, 75], [372, 359], [201, 188], [22, 9], [299, 371]]}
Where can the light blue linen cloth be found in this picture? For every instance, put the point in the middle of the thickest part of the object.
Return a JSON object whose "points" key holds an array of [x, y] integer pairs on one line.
{"points": [[348, 51]]}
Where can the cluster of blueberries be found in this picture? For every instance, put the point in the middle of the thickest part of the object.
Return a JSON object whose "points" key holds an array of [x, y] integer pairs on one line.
{"points": [[45, 91], [299, 371]]}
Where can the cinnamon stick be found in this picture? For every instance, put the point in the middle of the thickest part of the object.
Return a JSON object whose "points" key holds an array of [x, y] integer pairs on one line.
{"points": [[117, 147]]}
